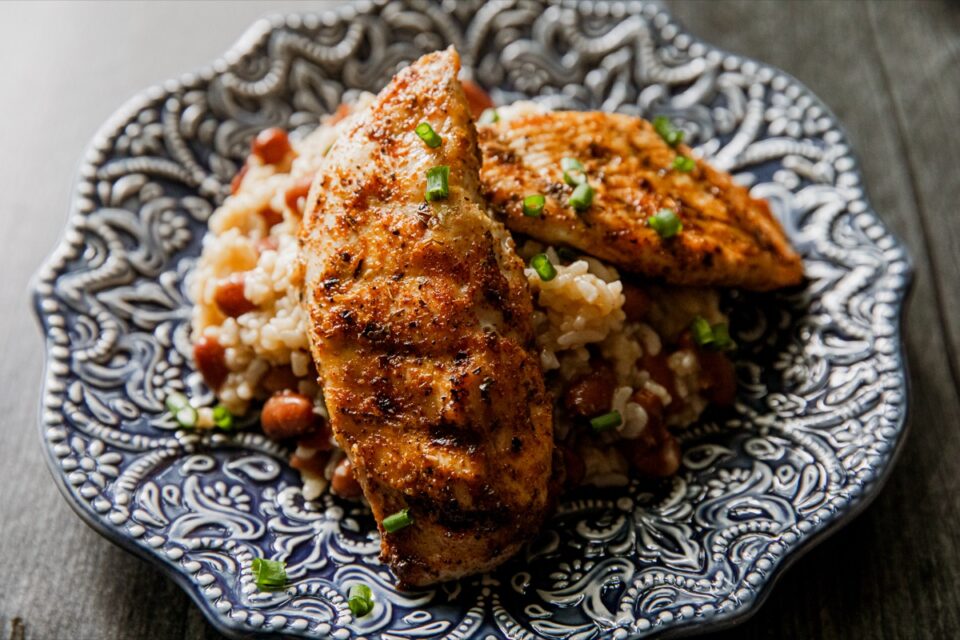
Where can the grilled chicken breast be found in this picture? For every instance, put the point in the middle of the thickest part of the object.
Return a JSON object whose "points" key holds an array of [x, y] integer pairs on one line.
{"points": [[421, 328], [728, 238]]}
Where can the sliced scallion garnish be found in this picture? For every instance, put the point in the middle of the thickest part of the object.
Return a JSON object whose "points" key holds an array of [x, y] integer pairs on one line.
{"points": [[186, 417], [269, 574], [360, 600], [175, 402], [702, 332], [222, 417], [544, 268], [670, 134], [430, 137], [438, 182], [666, 223], [721, 337], [582, 197], [711, 337], [533, 205], [489, 116], [397, 521], [606, 421], [684, 164], [573, 171]]}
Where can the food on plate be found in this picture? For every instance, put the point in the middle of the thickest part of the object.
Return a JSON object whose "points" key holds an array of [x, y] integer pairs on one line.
{"points": [[644, 186], [421, 326], [454, 374]]}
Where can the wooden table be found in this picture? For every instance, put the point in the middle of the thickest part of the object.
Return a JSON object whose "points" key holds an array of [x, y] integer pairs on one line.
{"points": [[890, 71]]}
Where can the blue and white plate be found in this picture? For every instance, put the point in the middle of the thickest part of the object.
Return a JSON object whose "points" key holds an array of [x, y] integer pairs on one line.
{"points": [[814, 433]]}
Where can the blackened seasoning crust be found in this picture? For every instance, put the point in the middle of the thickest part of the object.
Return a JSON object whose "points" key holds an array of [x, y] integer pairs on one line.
{"points": [[420, 321]]}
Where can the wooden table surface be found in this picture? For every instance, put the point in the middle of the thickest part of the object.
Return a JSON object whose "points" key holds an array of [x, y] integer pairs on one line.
{"points": [[889, 70]]}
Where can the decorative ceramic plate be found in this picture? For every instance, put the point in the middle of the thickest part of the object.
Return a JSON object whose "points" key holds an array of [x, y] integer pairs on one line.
{"points": [[822, 400]]}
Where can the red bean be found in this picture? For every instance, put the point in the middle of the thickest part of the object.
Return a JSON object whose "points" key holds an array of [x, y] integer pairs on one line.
{"points": [[655, 453], [279, 379], [315, 464], [238, 179], [299, 190], [591, 393], [319, 438], [636, 302], [477, 97], [287, 415], [651, 403], [659, 460], [271, 217], [343, 110], [343, 482], [719, 378], [210, 358], [230, 298], [271, 145], [661, 373]]}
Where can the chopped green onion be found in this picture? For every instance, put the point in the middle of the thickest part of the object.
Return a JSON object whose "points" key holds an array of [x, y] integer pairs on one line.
{"points": [[437, 182], [176, 401], [711, 337], [606, 421], [430, 137], [582, 197], [702, 332], [573, 171], [721, 337], [269, 574], [222, 417], [670, 134], [489, 116], [397, 521], [666, 223], [533, 205], [186, 417], [360, 600], [544, 268], [684, 164]]}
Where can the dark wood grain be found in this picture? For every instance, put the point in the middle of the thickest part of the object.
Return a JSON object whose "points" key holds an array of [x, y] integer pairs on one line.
{"points": [[925, 104], [889, 71], [895, 571]]}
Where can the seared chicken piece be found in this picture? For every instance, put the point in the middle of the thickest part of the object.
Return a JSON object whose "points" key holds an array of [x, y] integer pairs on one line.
{"points": [[728, 238], [421, 327]]}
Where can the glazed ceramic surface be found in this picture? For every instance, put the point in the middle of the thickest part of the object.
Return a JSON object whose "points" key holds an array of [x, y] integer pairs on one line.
{"points": [[822, 395]]}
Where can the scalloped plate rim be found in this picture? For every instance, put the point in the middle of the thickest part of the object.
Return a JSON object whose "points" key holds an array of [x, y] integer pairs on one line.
{"points": [[246, 44]]}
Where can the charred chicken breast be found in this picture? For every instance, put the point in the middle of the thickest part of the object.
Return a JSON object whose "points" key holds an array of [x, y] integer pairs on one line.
{"points": [[728, 238], [420, 323]]}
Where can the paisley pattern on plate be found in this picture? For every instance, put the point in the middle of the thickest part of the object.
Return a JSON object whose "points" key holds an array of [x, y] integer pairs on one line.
{"points": [[822, 401]]}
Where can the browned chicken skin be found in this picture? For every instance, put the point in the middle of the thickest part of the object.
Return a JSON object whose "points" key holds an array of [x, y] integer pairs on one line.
{"points": [[728, 238], [421, 326]]}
